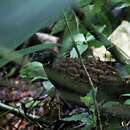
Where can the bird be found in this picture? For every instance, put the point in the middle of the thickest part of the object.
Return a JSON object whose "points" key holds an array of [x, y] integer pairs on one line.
{"points": [[69, 77]]}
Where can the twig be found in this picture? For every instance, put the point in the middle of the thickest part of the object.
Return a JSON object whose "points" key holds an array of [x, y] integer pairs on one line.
{"points": [[87, 74], [20, 113]]}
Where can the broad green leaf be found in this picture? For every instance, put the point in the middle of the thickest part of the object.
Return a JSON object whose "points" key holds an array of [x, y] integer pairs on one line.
{"points": [[81, 45], [116, 2], [59, 26], [89, 10], [126, 95], [124, 5], [127, 67], [98, 5], [85, 118], [38, 78], [84, 3], [48, 85], [73, 24], [127, 102], [90, 123], [90, 37], [78, 117], [33, 70], [110, 104], [88, 99]]}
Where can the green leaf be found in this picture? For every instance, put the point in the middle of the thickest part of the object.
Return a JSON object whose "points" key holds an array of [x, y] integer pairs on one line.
{"points": [[85, 118], [48, 85], [84, 3], [73, 25], [127, 67], [90, 37], [59, 26], [78, 117], [82, 47], [116, 2], [88, 99], [98, 5], [33, 70], [124, 5], [127, 102], [32, 104], [126, 95], [37, 78], [110, 104]]}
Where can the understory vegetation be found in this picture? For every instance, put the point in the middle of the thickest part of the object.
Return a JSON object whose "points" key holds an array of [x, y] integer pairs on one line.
{"points": [[65, 65]]}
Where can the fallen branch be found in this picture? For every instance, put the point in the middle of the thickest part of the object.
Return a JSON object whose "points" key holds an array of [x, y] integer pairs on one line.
{"points": [[20, 113]]}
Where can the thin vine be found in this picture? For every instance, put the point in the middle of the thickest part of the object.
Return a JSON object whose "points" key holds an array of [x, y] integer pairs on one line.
{"points": [[87, 74]]}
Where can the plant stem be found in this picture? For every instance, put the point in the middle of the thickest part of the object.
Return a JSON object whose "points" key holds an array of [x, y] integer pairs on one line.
{"points": [[87, 74]]}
